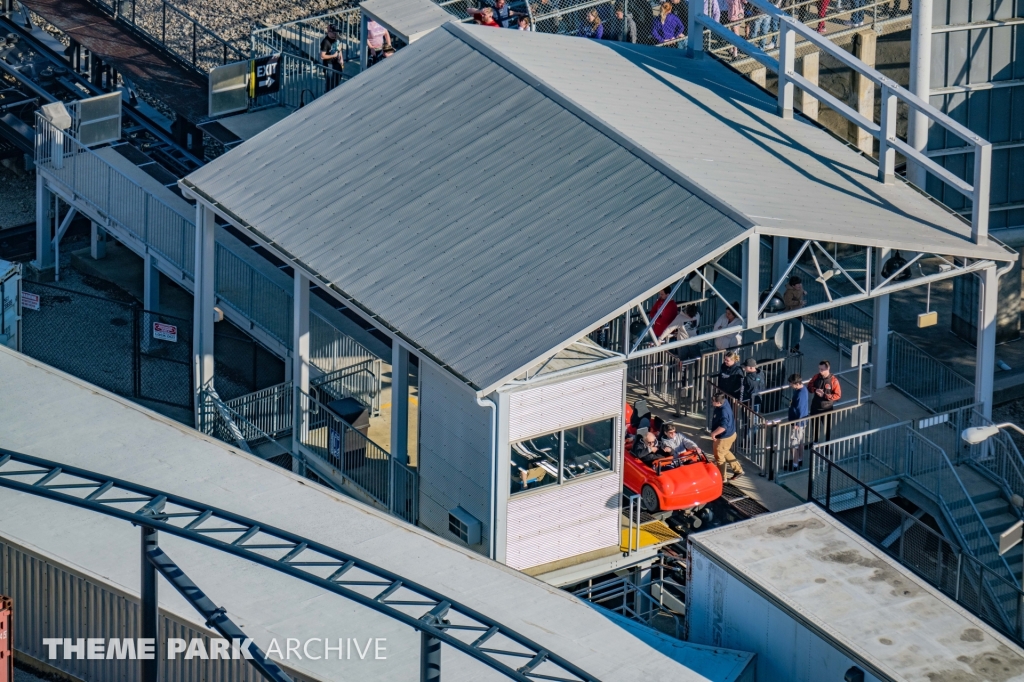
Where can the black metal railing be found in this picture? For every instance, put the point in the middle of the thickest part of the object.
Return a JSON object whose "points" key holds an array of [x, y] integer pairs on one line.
{"points": [[917, 546]]}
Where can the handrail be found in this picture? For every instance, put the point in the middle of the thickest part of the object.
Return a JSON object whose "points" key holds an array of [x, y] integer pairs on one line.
{"points": [[192, 57], [884, 132], [234, 531]]}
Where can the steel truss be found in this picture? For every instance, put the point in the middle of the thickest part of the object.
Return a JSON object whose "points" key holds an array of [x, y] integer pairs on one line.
{"points": [[438, 618]]}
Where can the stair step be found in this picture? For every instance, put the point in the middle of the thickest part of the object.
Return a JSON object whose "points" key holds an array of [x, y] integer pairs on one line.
{"points": [[992, 507], [997, 524], [986, 495]]}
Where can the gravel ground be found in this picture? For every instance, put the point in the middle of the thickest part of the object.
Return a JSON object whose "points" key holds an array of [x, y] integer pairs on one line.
{"points": [[17, 198], [234, 19]]}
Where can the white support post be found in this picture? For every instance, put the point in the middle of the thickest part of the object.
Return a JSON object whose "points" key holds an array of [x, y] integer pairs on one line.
{"points": [[300, 364], [780, 257], [751, 285], [787, 66], [399, 402], [97, 242], [880, 343], [920, 84], [503, 479], [362, 43], [694, 30], [982, 189], [985, 365], [150, 284], [886, 152], [44, 235], [204, 300]]}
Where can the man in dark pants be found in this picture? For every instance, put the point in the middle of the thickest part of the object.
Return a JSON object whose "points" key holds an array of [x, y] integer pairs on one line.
{"points": [[825, 393], [331, 58]]}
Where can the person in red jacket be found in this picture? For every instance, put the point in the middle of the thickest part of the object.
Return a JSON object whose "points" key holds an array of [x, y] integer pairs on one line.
{"points": [[825, 393], [484, 17], [667, 315]]}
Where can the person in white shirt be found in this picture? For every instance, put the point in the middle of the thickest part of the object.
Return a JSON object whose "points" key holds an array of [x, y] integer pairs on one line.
{"points": [[729, 319], [683, 326]]}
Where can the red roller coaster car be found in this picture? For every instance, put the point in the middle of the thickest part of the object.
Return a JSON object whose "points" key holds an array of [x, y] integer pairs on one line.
{"points": [[684, 482]]}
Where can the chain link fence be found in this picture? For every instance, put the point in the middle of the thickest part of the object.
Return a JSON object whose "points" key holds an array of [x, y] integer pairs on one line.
{"points": [[116, 345]]}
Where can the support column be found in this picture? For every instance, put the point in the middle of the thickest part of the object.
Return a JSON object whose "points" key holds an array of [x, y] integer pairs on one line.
{"points": [[920, 83], [864, 49], [150, 283], [204, 300], [300, 364], [985, 364], [362, 43], [399, 402], [880, 326], [751, 280], [97, 242], [780, 257], [809, 67], [44, 220], [149, 614]]}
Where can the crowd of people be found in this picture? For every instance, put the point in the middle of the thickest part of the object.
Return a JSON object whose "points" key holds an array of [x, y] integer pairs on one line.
{"points": [[332, 53], [667, 20]]}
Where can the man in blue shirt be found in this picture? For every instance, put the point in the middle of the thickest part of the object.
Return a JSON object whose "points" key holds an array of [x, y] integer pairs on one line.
{"points": [[799, 408], [723, 435]]}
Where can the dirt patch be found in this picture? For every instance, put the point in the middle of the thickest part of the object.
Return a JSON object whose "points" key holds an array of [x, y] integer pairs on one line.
{"points": [[787, 530], [972, 635], [999, 665], [901, 586]]}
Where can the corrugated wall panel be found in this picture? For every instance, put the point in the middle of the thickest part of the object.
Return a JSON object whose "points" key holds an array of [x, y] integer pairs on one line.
{"points": [[559, 522], [455, 454], [569, 403], [563, 521], [52, 600]]}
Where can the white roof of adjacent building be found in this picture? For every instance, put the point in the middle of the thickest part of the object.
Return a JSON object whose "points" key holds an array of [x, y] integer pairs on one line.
{"points": [[493, 195], [48, 414], [826, 575], [409, 20]]}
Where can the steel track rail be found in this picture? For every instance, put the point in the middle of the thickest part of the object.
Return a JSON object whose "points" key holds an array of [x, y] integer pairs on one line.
{"points": [[440, 616]]}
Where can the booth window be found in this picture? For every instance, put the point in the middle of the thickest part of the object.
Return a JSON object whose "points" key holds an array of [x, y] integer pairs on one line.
{"points": [[562, 456]]}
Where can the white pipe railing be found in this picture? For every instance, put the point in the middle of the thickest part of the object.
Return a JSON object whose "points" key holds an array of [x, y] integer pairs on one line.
{"points": [[891, 92]]}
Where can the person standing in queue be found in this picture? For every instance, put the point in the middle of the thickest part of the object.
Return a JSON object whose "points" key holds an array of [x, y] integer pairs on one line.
{"points": [[331, 58], [723, 436], [825, 392]]}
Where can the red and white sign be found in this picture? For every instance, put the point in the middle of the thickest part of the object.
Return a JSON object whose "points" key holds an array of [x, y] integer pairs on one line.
{"points": [[165, 332], [29, 301]]}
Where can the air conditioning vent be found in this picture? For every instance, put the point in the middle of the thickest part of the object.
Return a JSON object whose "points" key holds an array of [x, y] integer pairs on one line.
{"points": [[464, 526]]}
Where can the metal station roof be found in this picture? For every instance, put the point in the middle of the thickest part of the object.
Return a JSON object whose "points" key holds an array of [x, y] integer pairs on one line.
{"points": [[827, 576], [492, 195], [409, 20], [110, 435]]}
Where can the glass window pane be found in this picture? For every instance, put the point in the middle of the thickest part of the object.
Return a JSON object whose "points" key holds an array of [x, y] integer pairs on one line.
{"points": [[589, 448], [535, 462]]}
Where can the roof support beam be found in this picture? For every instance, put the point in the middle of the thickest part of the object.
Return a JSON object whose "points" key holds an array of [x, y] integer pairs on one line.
{"points": [[751, 285]]}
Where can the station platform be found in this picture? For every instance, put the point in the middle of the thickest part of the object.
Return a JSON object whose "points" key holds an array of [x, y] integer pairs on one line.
{"points": [[176, 87]]}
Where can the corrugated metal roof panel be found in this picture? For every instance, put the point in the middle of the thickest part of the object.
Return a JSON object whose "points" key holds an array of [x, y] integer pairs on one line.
{"points": [[409, 19]]}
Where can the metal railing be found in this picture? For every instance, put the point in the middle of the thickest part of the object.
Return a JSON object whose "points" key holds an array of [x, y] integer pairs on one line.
{"points": [[891, 94], [960, 576], [898, 452], [239, 421], [655, 600], [172, 29], [840, 327], [358, 459], [141, 216], [361, 381], [924, 379], [303, 75]]}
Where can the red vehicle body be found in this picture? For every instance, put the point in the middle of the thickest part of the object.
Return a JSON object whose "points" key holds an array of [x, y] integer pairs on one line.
{"points": [[686, 482]]}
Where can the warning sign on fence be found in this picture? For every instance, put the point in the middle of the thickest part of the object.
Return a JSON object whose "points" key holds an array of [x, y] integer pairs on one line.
{"points": [[165, 332], [29, 301]]}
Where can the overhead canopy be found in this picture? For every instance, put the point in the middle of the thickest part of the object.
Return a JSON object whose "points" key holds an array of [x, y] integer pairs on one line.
{"points": [[492, 195], [409, 20]]}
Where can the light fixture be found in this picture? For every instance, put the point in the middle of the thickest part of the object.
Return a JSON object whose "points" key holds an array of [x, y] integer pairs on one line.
{"points": [[979, 434], [825, 276]]}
